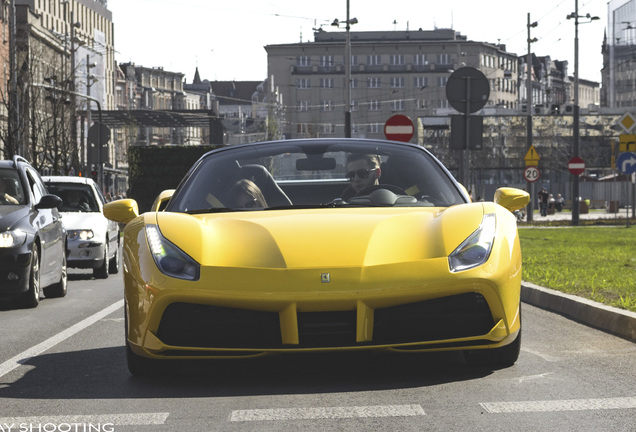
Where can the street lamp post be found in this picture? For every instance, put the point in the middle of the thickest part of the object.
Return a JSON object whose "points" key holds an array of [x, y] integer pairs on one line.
{"points": [[576, 205], [347, 62]]}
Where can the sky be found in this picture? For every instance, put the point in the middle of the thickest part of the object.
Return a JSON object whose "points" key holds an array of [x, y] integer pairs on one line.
{"points": [[225, 39]]}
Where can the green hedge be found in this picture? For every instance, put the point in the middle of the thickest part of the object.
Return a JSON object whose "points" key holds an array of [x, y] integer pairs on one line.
{"points": [[152, 169]]}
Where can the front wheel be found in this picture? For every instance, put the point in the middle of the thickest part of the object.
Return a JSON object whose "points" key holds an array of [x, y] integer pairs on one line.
{"points": [[101, 272], [113, 265], [31, 298], [504, 356], [60, 288]]}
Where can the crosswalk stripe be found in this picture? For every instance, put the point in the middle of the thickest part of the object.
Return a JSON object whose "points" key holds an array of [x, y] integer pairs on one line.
{"points": [[327, 413], [114, 419], [560, 405]]}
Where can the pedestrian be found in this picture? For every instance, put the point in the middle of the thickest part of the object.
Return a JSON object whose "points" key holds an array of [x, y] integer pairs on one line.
{"points": [[560, 202], [543, 201]]}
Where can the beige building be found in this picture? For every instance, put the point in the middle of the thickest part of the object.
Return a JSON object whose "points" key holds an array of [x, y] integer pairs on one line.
{"points": [[392, 72], [64, 60]]}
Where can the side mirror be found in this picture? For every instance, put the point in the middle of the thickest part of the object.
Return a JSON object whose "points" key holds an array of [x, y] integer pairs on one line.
{"points": [[161, 200], [122, 211], [49, 202], [512, 198]]}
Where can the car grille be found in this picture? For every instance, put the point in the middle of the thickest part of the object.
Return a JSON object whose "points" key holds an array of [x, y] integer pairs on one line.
{"points": [[193, 325]]}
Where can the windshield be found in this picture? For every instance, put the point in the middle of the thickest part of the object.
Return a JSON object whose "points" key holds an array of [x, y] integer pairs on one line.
{"points": [[11, 192], [315, 173], [76, 197]]}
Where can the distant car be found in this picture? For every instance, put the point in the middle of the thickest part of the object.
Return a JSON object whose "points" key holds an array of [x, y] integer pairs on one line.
{"points": [[93, 240], [32, 237], [320, 245]]}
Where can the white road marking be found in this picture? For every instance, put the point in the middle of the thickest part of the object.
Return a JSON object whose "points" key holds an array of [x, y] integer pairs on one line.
{"points": [[560, 405], [115, 419], [25, 356], [327, 413]]}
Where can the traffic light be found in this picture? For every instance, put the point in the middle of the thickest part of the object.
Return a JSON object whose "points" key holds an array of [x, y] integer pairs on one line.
{"points": [[94, 173]]}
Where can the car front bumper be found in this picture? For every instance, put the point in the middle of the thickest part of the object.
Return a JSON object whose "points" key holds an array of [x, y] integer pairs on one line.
{"points": [[15, 268], [85, 254]]}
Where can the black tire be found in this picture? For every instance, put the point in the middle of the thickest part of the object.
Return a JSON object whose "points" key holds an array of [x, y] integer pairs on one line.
{"points": [[146, 367], [101, 272], [113, 266], [31, 298], [498, 357], [59, 289]]}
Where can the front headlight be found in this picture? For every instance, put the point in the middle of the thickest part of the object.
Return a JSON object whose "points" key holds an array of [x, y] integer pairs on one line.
{"points": [[12, 238], [85, 234], [475, 250], [170, 260]]}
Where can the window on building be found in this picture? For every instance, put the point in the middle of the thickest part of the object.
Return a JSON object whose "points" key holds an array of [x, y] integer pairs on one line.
{"points": [[420, 82], [328, 129], [302, 128], [397, 105], [327, 61], [397, 82], [420, 104], [326, 105], [396, 59], [374, 82], [303, 83], [302, 106], [375, 105], [303, 61], [441, 81], [375, 128], [326, 83], [374, 60], [420, 60], [443, 59]]}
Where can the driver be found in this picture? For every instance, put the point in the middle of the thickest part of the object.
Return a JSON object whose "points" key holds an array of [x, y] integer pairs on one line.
{"points": [[363, 170]]}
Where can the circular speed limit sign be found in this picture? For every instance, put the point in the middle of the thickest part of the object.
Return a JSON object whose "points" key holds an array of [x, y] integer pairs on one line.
{"points": [[531, 174]]}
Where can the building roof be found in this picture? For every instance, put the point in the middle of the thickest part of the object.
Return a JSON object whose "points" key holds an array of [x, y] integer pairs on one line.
{"points": [[234, 92]]}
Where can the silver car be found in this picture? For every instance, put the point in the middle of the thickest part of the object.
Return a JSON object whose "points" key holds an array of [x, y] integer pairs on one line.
{"points": [[93, 240]]}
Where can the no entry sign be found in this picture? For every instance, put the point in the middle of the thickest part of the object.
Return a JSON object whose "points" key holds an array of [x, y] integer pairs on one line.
{"points": [[576, 165], [399, 128]]}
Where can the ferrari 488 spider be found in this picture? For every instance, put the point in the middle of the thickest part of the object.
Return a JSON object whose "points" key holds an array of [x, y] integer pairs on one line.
{"points": [[315, 245]]}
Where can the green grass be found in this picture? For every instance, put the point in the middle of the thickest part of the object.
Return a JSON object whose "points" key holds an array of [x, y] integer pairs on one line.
{"points": [[598, 263]]}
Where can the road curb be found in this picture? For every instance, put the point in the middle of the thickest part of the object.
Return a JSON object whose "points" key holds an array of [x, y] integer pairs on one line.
{"points": [[609, 319]]}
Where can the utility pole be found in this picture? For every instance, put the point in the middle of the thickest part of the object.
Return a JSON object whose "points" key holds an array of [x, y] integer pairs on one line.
{"points": [[15, 139], [530, 213]]}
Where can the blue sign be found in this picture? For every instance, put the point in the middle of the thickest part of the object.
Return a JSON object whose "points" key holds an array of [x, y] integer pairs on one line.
{"points": [[626, 162]]}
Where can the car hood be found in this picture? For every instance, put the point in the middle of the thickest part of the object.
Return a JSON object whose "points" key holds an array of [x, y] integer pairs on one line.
{"points": [[84, 220], [322, 237], [11, 214]]}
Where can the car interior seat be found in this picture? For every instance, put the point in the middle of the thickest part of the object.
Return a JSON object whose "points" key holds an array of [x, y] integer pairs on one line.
{"points": [[258, 174]]}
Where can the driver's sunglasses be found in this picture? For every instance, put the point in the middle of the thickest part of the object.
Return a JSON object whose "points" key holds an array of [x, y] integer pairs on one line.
{"points": [[362, 173]]}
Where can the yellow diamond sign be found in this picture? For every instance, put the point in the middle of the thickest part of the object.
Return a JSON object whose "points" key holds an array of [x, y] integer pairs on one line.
{"points": [[532, 157], [627, 122]]}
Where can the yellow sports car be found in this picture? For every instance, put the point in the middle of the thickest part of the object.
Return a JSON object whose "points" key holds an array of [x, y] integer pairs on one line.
{"points": [[316, 245]]}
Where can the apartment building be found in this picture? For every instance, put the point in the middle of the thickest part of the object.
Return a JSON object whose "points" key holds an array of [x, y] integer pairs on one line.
{"points": [[392, 72]]}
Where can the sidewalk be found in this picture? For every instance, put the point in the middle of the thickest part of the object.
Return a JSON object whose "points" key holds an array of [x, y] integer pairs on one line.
{"points": [[592, 215]]}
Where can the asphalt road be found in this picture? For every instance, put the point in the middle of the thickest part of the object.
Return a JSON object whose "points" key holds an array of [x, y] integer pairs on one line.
{"points": [[62, 368]]}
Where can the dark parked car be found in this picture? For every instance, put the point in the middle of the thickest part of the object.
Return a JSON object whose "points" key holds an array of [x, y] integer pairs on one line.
{"points": [[32, 237]]}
